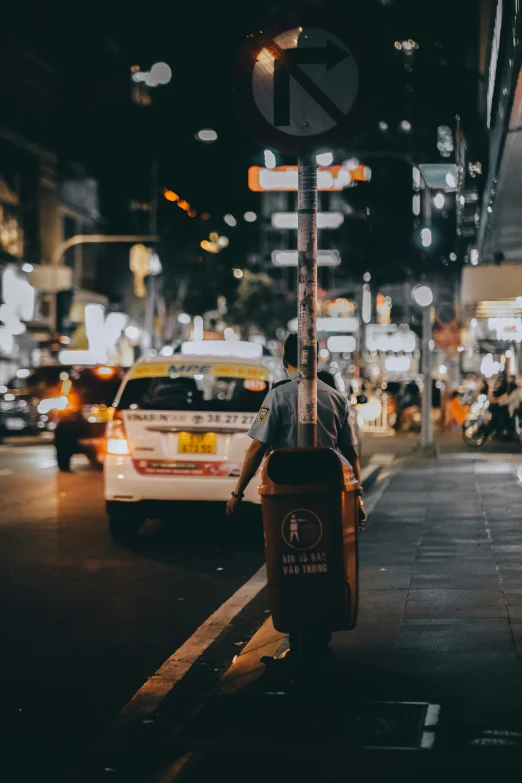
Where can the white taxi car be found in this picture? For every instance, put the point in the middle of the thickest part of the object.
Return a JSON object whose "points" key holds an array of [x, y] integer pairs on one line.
{"points": [[179, 429]]}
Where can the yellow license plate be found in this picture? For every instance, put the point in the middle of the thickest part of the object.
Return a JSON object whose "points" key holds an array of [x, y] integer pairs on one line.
{"points": [[195, 443]]}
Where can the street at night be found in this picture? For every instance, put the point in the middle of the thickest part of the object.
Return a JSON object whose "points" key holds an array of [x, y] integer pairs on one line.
{"points": [[261, 391]]}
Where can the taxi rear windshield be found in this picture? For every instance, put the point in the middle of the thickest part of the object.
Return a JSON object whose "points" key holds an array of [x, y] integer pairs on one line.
{"points": [[204, 393]]}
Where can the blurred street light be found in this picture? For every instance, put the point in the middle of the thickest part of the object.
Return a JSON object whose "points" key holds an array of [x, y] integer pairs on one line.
{"points": [[383, 125], [439, 200], [451, 180], [426, 237], [324, 159], [207, 135], [238, 273], [132, 332], [160, 73], [406, 126], [250, 217], [184, 318], [422, 295], [230, 220], [270, 159], [169, 195]]}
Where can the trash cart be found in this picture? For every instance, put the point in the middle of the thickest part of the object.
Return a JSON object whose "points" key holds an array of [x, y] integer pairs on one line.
{"points": [[310, 516]]}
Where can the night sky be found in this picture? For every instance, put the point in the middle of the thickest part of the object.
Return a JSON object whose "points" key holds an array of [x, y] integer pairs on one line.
{"points": [[94, 47]]}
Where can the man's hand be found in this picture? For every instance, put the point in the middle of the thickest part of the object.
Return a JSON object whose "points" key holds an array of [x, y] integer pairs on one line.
{"points": [[361, 511], [233, 506]]}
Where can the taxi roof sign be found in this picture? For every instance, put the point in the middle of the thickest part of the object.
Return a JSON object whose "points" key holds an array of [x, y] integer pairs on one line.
{"points": [[237, 349]]}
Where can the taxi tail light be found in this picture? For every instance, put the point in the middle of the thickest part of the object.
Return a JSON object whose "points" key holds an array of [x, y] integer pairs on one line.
{"points": [[116, 437]]}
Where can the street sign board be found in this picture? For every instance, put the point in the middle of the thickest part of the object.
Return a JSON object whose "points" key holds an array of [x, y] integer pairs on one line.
{"points": [[285, 178], [301, 89], [335, 325], [291, 258], [289, 220]]}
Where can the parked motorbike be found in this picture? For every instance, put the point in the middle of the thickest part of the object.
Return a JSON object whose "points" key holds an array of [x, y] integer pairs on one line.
{"points": [[479, 426]]}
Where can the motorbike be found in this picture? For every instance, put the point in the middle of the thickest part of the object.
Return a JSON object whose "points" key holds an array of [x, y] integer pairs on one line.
{"points": [[479, 426]]}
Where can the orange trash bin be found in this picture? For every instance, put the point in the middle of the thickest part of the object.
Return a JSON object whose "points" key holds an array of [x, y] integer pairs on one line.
{"points": [[310, 517]]}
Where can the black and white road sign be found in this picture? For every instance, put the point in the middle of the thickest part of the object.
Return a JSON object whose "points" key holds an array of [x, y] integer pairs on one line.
{"points": [[301, 88]]}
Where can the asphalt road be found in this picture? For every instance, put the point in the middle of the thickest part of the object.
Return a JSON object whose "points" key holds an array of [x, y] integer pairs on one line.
{"points": [[85, 620]]}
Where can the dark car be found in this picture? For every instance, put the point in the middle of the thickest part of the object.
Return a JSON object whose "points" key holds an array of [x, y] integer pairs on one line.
{"points": [[23, 406], [87, 395], [19, 414]]}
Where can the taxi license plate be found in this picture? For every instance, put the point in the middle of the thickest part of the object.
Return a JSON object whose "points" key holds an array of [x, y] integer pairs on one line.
{"points": [[196, 443]]}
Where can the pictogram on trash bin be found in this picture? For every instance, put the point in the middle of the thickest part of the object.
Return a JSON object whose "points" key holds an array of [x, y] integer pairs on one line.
{"points": [[302, 529]]}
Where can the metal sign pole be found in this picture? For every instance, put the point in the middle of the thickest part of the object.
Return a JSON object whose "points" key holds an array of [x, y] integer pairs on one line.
{"points": [[307, 300], [426, 422]]}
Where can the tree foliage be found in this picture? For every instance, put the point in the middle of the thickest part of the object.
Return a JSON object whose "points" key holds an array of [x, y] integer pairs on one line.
{"points": [[257, 304]]}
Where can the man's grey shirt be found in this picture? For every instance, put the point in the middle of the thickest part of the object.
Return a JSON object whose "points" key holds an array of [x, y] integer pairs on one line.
{"points": [[276, 422]]}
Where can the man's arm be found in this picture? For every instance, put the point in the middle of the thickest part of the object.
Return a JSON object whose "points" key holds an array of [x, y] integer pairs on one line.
{"points": [[350, 453], [253, 459]]}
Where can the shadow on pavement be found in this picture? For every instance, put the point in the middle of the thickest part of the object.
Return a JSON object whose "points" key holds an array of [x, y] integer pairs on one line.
{"points": [[200, 527]]}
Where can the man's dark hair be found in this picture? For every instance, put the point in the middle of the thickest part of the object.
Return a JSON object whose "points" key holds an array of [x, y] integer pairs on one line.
{"points": [[291, 349]]}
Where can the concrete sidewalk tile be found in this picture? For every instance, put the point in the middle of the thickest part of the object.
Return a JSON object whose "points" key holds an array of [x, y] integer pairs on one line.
{"points": [[453, 581], [454, 566], [515, 612], [421, 610], [456, 597], [516, 629], [480, 625], [391, 577], [513, 597]]}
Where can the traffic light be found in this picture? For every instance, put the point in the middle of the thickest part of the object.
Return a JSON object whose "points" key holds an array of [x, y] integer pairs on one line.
{"points": [[64, 300]]}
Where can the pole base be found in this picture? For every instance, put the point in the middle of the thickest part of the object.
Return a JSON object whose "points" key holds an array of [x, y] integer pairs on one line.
{"points": [[431, 451]]}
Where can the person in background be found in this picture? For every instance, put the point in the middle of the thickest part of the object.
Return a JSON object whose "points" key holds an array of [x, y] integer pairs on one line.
{"points": [[498, 404], [456, 412]]}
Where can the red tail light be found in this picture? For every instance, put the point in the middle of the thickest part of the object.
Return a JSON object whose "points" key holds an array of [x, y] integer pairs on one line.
{"points": [[115, 436]]}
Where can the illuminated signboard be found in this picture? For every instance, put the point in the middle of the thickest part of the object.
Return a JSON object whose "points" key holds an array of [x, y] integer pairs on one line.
{"points": [[324, 219], [506, 328], [284, 178], [390, 337], [330, 325], [341, 343], [289, 258]]}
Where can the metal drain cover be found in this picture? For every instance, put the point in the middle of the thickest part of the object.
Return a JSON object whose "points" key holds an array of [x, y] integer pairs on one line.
{"points": [[273, 720]]}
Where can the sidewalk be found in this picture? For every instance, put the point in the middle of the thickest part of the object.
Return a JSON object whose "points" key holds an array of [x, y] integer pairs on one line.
{"points": [[440, 625]]}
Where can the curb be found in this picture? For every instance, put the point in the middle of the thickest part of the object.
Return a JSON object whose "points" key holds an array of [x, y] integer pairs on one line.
{"points": [[369, 476]]}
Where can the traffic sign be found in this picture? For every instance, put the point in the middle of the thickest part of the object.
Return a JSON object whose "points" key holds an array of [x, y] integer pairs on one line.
{"points": [[302, 88], [291, 258]]}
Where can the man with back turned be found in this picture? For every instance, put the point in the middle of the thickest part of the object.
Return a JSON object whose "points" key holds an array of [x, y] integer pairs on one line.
{"points": [[276, 427]]}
